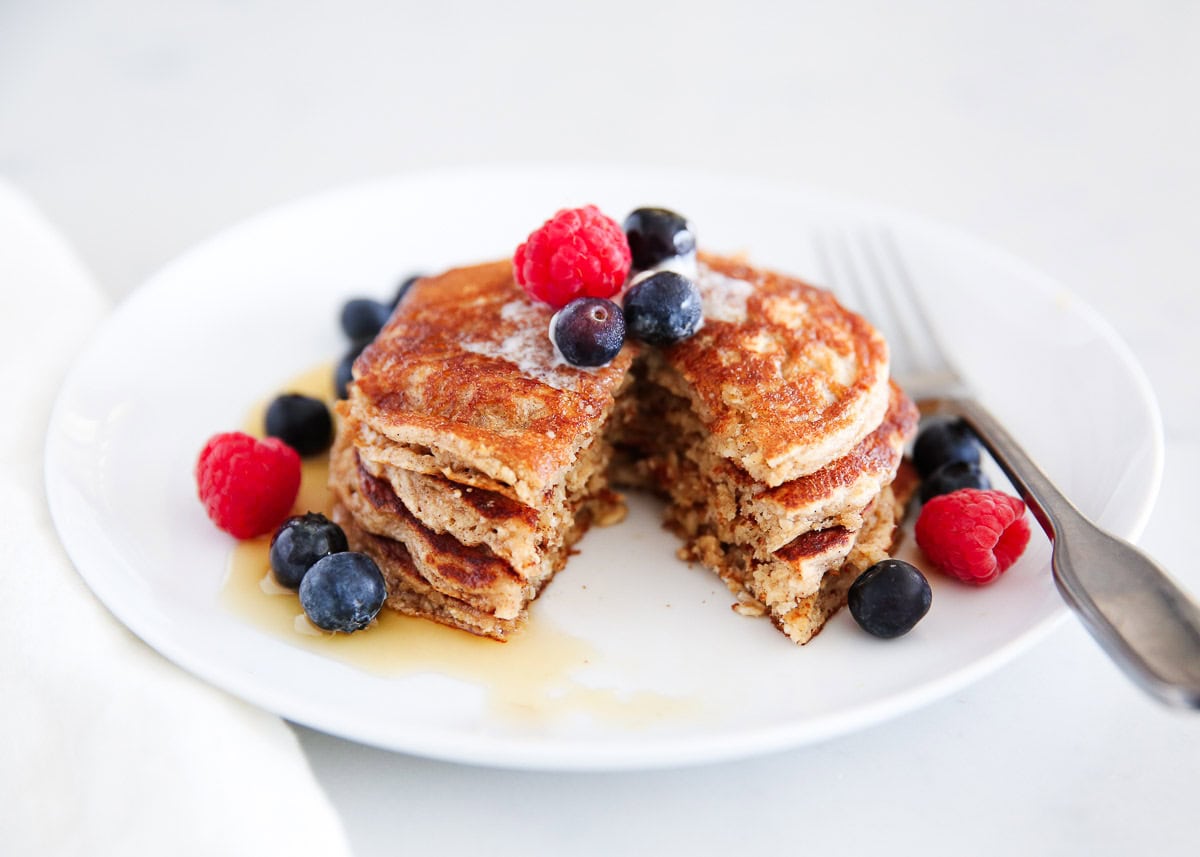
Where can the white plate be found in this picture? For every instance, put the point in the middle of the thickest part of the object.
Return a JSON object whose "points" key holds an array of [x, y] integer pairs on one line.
{"points": [[228, 322]]}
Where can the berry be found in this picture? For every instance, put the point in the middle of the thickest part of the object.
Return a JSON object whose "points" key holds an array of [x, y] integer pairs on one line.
{"points": [[247, 485], [943, 442], [588, 331], [363, 318], [343, 374], [950, 477], [403, 288], [579, 252], [343, 592], [658, 234], [889, 598], [662, 309], [302, 422], [973, 535], [299, 542]]}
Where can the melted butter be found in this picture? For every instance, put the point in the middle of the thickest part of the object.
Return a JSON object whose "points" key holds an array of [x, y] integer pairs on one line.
{"points": [[722, 298], [528, 346], [536, 676]]}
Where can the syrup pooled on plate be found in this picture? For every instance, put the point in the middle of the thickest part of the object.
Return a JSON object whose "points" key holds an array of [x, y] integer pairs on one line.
{"points": [[532, 677]]}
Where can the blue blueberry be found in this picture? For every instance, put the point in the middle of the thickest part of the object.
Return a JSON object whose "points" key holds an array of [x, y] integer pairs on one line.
{"points": [[363, 318], [658, 234], [302, 422], [403, 288], [951, 477], [343, 374], [343, 592], [889, 598], [662, 309], [299, 542], [943, 442], [588, 331]]}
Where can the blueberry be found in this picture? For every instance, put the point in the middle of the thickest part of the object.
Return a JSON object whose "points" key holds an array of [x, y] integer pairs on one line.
{"points": [[363, 318], [588, 331], [657, 234], [889, 598], [343, 592], [662, 309], [302, 422], [343, 374], [403, 288], [299, 542], [942, 442], [950, 477]]}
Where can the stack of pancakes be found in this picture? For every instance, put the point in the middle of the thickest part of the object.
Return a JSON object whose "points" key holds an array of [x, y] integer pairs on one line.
{"points": [[469, 458], [467, 463]]}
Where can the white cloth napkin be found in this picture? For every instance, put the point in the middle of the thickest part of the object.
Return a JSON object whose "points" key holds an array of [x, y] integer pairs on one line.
{"points": [[106, 747]]}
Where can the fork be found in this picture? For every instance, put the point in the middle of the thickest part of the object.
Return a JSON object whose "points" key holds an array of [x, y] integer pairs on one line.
{"points": [[1146, 623]]}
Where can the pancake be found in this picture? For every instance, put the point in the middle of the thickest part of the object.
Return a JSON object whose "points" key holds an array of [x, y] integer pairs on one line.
{"points": [[470, 459], [429, 573], [742, 510], [411, 594], [519, 534], [472, 574], [464, 382], [804, 583], [783, 378], [831, 495], [875, 541]]}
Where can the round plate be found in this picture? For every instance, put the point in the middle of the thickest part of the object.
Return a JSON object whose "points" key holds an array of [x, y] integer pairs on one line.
{"points": [[679, 677]]}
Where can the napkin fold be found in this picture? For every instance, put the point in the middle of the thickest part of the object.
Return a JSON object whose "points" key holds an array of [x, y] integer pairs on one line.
{"points": [[105, 746]]}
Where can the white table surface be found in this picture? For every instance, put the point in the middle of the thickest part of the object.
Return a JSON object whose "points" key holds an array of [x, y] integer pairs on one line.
{"points": [[1066, 133]]}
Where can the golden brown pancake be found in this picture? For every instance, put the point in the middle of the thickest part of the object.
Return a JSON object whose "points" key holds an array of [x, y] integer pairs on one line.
{"points": [[470, 458], [784, 385], [742, 510], [801, 586], [463, 381]]}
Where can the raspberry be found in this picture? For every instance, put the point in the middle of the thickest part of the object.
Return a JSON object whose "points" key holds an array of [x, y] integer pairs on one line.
{"points": [[579, 252], [247, 486], [973, 535]]}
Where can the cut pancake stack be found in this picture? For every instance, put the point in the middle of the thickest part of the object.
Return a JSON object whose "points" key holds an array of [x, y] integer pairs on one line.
{"points": [[470, 459], [777, 436], [467, 462]]}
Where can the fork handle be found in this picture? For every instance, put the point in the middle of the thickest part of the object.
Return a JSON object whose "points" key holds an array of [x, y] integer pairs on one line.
{"points": [[1141, 617]]}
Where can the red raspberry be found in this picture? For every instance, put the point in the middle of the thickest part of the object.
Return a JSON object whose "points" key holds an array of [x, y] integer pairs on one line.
{"points": [[578, 252], [973, 535], [247, 485]]}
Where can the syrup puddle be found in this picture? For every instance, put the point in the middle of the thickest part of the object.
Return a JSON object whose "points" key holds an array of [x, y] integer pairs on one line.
{"points": [[532, 678]]}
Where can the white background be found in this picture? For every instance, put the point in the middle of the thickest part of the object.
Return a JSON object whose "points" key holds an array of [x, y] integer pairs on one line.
{"points": [[1067, 133]]}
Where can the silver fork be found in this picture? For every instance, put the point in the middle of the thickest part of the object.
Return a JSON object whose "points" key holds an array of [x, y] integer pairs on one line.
{"points": [[1145, 622]]}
